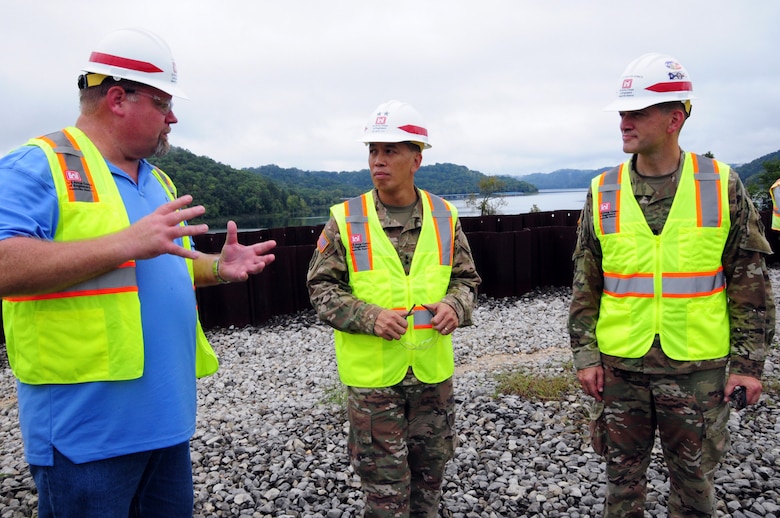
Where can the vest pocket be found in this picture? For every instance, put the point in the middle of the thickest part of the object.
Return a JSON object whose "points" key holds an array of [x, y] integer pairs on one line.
{"points": [[64, 353]]}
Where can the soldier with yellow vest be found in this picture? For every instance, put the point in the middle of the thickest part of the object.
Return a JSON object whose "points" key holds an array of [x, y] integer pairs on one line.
{"points": [[97, 275], [672, 308], [774, 194], [394, 276]]}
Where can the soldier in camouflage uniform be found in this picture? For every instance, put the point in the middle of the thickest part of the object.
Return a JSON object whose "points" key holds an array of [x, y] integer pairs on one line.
{"points": [[394, 288], [679, 383]]}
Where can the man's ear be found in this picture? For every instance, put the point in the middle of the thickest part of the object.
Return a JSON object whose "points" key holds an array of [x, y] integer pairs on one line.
{"points": [[116, 97], [677, 121]]}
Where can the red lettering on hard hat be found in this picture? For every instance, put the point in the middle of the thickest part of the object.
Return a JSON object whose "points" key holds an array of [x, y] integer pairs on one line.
{"points": [[627, 83], [675, 86], [381, 120], [129, 64], [417, 130]]}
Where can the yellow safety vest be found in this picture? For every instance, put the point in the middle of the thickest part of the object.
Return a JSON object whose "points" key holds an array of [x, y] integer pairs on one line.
{"points": [[670, 284], [774, 192], [90, 331], [377, 276]]}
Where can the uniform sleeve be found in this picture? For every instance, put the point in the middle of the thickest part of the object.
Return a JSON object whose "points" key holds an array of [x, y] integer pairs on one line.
{"points": [[587, 286], [329, 291], [464, 279], [28, 199], [750, 299]]}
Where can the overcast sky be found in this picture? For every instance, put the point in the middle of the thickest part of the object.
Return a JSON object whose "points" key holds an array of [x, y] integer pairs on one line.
{"points": [[507, 87]]}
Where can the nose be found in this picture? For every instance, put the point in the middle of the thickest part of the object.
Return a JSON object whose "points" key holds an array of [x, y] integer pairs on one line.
{"points": [[170, 118], [378, 158]]}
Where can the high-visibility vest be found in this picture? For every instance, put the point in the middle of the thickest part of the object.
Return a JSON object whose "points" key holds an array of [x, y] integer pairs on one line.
{"points": [[90, 331], [774, 192], [670, 284], [377, 276]]}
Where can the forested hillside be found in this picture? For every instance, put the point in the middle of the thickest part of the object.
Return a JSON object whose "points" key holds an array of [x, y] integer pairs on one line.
{"points": [[580, 178]]}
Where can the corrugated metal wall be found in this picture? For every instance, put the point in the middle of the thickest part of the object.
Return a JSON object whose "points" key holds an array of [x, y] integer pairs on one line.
{"points": [[514, 254]]}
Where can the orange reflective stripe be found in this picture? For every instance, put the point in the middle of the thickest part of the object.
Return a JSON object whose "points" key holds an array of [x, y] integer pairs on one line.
{"points": [[71, 294], [696, 284], [120, 280], [356, 214], [608, 200], [673, 285], [443, 224], [635, 285], [709, 207], [73, 167]]}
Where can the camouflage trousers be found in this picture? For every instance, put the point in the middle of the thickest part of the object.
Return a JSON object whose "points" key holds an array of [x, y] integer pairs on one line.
{"points": [[691, 417], [400, 439]]}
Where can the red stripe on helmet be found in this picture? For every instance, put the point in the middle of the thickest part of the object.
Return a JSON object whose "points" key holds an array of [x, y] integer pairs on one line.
{"points": [[676, 86], [417, 130], [129, 64]]}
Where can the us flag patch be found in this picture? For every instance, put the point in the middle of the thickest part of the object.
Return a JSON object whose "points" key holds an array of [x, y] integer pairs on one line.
{"points": [[322, 242]]}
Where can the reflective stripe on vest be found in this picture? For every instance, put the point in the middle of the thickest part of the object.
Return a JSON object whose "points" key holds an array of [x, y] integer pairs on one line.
{"points": [[673, 284], [360, 238], [74, 167]]}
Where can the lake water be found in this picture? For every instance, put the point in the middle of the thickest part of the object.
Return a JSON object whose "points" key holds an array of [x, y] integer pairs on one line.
{"points": [[545, 200]]}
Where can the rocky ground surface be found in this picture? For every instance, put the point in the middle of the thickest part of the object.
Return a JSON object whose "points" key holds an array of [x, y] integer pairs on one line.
{"points": [[271, 435]]}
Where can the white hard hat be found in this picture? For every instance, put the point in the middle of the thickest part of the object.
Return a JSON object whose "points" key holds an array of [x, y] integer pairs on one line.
{"points": [[652, 79], [136, 55], [396, 121]]}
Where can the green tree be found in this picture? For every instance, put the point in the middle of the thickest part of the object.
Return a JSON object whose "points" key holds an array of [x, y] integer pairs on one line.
{"points": [[758, 185], [488, 202]]}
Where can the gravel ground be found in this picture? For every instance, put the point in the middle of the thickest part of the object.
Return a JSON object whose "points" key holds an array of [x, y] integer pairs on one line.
{"points": [[271, 435]]}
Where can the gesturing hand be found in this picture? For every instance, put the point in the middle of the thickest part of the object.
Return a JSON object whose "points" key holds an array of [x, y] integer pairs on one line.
{"points": [[237, 262], [155, 234]]}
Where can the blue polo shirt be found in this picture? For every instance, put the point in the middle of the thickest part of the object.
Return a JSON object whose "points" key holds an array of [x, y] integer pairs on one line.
{"points": [[94, 421]]}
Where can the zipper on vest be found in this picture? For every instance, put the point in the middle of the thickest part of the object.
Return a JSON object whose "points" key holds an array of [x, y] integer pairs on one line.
{"points": [[657, 284]]}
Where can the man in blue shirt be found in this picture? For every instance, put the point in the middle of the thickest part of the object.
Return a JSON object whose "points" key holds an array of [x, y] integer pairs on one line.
{"points": [[112, 442]]}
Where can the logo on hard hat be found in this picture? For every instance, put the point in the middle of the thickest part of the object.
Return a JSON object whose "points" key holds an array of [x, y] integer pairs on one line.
{"points": [[627, 83], [673, 65]]}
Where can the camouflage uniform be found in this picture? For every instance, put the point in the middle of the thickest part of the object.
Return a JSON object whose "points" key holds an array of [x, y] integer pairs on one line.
{"points": [[401, 436], [683, 399]]}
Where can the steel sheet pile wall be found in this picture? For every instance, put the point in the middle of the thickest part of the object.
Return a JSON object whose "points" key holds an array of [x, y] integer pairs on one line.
{"points": [[514, 254]]}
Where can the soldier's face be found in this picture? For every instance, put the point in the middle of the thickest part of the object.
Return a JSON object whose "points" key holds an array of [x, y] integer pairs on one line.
{"points": [[643, 131], [393, 165]]}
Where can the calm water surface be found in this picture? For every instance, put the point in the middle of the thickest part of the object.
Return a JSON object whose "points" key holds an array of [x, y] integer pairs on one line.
{"points": [[544, 200]]}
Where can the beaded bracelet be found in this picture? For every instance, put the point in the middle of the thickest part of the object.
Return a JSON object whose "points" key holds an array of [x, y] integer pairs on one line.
{"points": [[215, 271]]}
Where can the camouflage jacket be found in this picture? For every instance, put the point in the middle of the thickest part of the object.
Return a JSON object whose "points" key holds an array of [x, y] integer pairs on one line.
{"points": [[750, 302], [328, 275]]}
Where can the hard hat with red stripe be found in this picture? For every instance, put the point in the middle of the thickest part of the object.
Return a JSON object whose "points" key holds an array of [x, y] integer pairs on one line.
{"points": [[396, 121], [136, 55], [651, 79]]}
